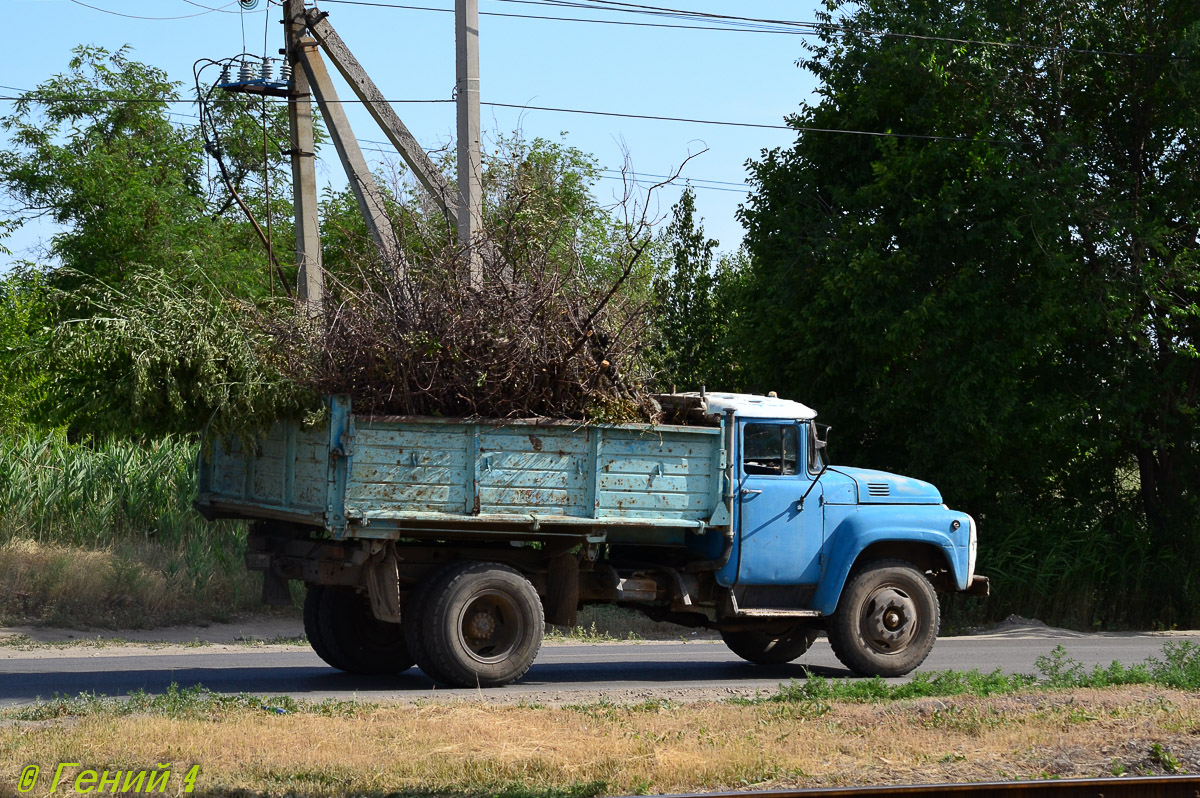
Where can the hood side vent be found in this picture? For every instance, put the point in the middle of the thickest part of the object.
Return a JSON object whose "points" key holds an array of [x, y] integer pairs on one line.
{"points": [[878, 489]]}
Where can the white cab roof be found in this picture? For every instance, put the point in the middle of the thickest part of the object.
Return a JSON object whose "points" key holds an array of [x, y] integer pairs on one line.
{"points": [[752, 406]]}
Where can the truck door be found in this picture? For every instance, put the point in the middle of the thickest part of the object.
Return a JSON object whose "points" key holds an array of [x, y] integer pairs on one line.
{"points": [[780, 543]]}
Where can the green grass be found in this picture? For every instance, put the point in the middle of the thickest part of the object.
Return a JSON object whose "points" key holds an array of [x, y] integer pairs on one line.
{"points": [[176, 702], [1178, 668], [103, 533]]}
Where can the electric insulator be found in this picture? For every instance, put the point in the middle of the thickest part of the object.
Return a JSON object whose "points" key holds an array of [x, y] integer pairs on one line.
{"points": [[267, 73], [246, 73], [226, 74], [285, 72]]}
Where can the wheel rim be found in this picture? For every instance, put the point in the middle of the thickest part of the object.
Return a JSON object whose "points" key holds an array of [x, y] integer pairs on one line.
{"points": [[889, 620], [490, 626]]}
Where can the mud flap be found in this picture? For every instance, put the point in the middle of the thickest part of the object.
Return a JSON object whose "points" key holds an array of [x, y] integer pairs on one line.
{"points": [[275, 591], [383, 585], [562, 591]]}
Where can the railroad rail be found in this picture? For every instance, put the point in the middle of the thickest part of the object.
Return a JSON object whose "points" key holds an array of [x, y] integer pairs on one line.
{"points": [[1122, 787]]}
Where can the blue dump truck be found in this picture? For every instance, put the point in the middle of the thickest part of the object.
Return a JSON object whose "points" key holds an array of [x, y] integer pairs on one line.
{"points": [[450, 543]]}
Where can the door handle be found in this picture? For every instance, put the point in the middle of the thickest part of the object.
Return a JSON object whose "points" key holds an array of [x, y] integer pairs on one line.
{"points": [[749, 492]]}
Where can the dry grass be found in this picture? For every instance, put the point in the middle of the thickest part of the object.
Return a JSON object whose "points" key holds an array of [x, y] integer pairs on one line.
{"points": [[131, 585], [477, 748]]}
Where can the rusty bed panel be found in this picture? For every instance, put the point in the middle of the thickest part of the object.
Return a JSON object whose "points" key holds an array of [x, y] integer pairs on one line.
{"points": [[283, 475], [633, 481]]}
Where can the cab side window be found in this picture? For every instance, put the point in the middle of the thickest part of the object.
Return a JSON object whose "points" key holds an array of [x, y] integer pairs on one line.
{"points": [[770, 450]]}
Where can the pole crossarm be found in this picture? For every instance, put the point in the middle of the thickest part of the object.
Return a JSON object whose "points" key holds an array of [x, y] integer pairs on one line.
{"points": [[383, 114]]}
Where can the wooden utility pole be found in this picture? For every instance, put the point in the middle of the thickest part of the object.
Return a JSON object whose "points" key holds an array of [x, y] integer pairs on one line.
{"points": [[310, 281], [470, 160], [362, 183]]}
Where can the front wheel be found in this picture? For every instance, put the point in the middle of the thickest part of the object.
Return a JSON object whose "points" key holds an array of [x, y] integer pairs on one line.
{"points": [[886, 620], [770, 648]]}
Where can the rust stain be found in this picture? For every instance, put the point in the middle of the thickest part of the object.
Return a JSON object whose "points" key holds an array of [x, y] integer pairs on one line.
{"points": [[536, 442]]}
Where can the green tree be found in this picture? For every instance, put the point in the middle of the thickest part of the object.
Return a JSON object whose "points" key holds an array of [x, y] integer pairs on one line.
{"points": [[695, 295], [95, 150], [23, 312], [1010, 309]]}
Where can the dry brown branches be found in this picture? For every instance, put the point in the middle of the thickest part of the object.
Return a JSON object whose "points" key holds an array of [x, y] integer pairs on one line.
{"points": [[557, 328]]}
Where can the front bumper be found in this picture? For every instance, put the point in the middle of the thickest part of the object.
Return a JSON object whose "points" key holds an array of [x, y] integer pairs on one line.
{"points": [[979, 587]]}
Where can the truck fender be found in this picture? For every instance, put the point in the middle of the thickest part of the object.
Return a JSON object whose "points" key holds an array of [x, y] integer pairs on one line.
{"points": [[857, 533]]}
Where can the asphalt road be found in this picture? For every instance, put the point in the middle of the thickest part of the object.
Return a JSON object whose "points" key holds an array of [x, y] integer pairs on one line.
{"points": [[561, 672]]}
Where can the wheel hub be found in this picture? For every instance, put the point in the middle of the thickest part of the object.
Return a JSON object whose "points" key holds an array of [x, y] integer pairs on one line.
{"points": [[889, 620], [481, 625], [491, 626]]}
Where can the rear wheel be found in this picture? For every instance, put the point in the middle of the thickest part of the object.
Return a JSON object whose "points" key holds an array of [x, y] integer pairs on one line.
{"points": [[355, 640], [312, 625], [482, 625], [770, 648], [415, 609], [886, 621]]}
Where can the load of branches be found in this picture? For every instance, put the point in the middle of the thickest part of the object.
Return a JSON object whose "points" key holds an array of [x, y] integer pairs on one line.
{"points": [[537, 342], [551, 321]]}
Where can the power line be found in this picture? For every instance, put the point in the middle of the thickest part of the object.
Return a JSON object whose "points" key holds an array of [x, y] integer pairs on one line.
{"points": [[761, 25], [637, 181], [223, 10], [742, 23], [734, 24], [799, 129], [567, 19], [815, 28], [617, 172], [758, 125], [589, 112], [137, 16]]}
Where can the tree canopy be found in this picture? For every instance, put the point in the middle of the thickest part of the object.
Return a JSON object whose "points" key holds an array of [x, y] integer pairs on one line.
{"points": [[1000, 291]]}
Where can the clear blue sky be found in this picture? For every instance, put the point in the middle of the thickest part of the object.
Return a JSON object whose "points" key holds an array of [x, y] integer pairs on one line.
{"points": [[698, 74]]}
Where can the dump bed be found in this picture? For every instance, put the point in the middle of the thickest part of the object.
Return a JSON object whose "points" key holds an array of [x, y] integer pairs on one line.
{"points": [[388, 477]]}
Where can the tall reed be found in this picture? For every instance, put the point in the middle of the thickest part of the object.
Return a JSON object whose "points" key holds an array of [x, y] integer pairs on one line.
{"points": [[104, 533]]}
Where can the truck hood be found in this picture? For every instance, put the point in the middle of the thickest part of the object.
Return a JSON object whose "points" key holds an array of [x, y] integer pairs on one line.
{"points": [[880, 487]]}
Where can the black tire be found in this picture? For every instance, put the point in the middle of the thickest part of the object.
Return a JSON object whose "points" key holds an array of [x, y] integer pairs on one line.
{"points": [[312, 625], [414, 624], [886, 621], [357, 641], [482, 625], [770, 648]]}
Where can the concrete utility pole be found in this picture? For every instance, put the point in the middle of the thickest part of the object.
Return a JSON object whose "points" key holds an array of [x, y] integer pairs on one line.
{"points": [[362, 183], [470, 161], [310, 282]]}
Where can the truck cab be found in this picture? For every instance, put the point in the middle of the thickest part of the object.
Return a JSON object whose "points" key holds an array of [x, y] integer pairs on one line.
{"points": [[853, 552]]}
